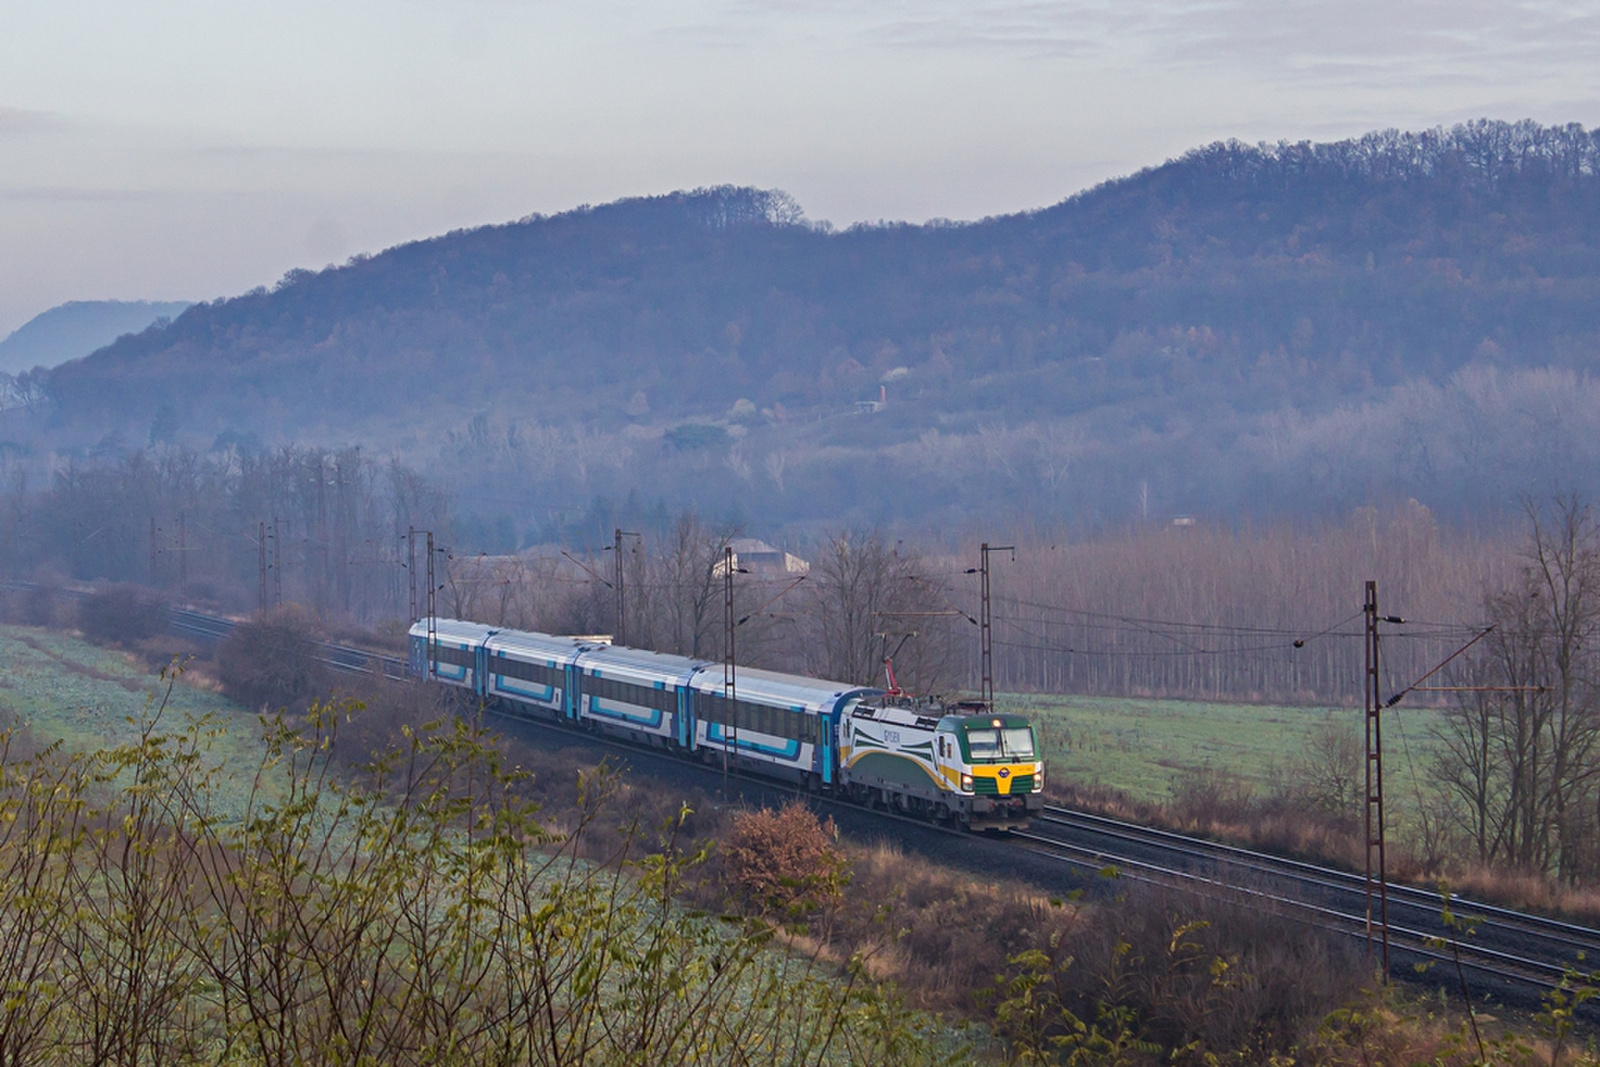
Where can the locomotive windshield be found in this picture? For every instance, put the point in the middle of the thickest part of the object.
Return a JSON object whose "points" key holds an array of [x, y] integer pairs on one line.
{"points": [[1015, 743]]}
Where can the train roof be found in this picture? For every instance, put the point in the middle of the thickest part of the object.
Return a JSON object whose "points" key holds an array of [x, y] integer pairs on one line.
{"points": [[776, 687], [523, 643], [638, 664], [453, 630]]}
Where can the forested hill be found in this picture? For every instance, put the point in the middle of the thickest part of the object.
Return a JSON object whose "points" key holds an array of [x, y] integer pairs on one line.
{"points": [[1246, 326]]}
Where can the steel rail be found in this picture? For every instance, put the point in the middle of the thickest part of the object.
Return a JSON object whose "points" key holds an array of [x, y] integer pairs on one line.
{"points": [[1505, 966], [1567, 934]]}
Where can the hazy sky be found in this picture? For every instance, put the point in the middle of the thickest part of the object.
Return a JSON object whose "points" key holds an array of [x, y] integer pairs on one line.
{"points": [[184, 149]]}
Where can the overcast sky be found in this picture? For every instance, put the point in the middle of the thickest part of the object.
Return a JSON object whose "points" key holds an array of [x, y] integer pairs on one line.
{"points": [[180, 149]]}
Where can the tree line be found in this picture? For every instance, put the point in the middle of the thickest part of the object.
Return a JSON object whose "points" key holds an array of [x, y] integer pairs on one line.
{"points": [[325, 528], [1257, 613], [1518, 764]]}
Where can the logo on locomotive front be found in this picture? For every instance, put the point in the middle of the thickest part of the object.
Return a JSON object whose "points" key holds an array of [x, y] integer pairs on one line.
{"points": [[1005, 772]]}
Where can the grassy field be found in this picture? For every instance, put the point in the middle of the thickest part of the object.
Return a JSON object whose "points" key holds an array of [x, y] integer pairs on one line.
{"points": [[61, 688], [1137, 746]]}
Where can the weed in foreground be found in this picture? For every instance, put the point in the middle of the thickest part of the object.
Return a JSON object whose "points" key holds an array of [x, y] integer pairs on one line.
{"points": [[418, 912]]}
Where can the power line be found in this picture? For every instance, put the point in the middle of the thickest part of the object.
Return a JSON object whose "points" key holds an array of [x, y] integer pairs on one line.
{"points": [[1137, 622], [1044, 645]]}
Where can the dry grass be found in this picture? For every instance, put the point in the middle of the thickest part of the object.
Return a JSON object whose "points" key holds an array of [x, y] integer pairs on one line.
{"points": [[1527, 891], [1276, 824], [941, 935]]}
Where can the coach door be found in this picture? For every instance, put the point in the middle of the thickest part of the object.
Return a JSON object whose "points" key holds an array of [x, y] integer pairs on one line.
{"points": [[825, 730], [569, 692], [480, 670]]}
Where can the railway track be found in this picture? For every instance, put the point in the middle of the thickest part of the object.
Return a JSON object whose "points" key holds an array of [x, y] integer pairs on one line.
{"points": [[344, 658], [1517, 950], [1517, 954]]}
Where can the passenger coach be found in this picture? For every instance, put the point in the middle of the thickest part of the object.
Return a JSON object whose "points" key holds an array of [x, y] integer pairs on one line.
{"points": [[781, 724]]}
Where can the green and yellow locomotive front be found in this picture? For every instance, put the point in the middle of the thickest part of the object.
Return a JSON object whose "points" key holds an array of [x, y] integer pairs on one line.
{"points": [[995, 767], [957, 762]]}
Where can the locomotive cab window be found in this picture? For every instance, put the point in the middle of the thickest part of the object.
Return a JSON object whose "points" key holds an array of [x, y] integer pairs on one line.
{"points": [[983, 744], [1017, 743], [1014, 743]]}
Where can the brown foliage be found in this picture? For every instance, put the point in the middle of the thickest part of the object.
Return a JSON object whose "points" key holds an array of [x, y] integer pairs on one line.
{"points": [[1184, 976], [784, 863], [1133, 607], [40, 606]]}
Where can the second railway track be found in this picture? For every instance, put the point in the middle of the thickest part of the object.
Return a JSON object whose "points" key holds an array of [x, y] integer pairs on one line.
{"points": [[1519, 951]]}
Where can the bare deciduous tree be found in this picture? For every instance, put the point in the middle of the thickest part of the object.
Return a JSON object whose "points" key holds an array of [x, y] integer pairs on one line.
{"points": [[1519, 760], [681, 609], [865, 597]]}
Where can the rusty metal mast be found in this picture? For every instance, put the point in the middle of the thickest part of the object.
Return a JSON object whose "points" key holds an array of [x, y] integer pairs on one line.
{"points": [[985, 630], [730, 703], [1377, 866]]}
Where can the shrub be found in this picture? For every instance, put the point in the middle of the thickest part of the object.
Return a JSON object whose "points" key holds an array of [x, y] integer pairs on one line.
{"points": [[150, 920], [271, 662], [693, 436], [784, 863], [40, 606], [1207, 795], [1200, 975], [123, 615]]}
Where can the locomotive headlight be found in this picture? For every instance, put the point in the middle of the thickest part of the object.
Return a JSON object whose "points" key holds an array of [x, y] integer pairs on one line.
{"points": [[1038, 780], [966, 783]]}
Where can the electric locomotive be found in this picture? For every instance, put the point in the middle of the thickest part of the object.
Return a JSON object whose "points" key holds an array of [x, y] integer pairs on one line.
{"points": [[959, 763]]}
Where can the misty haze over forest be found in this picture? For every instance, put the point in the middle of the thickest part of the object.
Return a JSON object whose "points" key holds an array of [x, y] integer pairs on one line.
{"points": [[1242, 333]]}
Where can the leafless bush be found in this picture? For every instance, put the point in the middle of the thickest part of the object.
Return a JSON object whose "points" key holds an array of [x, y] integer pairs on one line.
{"points": [[949, 934], [160, 651], [123, 615], [1207, 795], [1164, 974], [271, 662], [41, 605], [1326, 779]]}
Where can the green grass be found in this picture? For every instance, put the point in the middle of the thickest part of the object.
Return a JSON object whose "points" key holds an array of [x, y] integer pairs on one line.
{"points": [[1137, 746], [61, 688]]}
